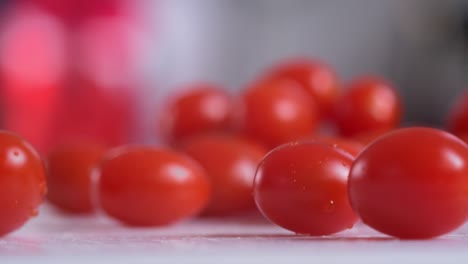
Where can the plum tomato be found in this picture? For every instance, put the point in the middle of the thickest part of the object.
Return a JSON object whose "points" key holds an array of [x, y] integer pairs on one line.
{"points": [[412, 183], [22, 182], [302, 187], [369, 103], [198, 109], [274, 112], [69, 176], [318, 79], [149, 186], [230, 164]]}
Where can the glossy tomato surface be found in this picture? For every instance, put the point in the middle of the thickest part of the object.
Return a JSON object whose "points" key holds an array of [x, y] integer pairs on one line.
{"points": [[303, 187], [351, 146], [198, 109], [146, 186], [412, 183], [318, 79], [69, 181], [368, 104], [22, 182], [230, 164], [457, 121], [276, 112]]}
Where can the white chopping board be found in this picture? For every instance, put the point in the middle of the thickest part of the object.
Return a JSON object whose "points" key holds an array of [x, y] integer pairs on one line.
{"points": [[56, 238]]}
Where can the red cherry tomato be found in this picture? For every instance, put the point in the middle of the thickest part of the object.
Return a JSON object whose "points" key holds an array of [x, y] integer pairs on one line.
{"points": [[412, 183], [303, 188], [22, 182], [351, 146], [368, 104], [230, 164], [318, 80], [276, 112], [201, 109], [69, 176], [457, 122], [144, 186]]}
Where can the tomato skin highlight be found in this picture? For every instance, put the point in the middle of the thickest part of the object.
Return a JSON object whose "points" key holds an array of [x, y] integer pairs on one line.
{"points": [[369, 103], [412, 183], [22, 182], [302, 187], [230, 163], [199, 109], [147, 186], [69, 178], [274, 112], [319, 80]]}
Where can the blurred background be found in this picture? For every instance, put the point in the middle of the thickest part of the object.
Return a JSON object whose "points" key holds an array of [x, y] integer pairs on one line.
{"points": [[100, 70]]}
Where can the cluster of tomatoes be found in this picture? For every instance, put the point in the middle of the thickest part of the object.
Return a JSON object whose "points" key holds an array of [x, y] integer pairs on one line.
{"points": [[311, 156]]}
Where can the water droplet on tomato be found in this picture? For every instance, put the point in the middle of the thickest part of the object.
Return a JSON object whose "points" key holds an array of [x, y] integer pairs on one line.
{"points": [[330, 206]]}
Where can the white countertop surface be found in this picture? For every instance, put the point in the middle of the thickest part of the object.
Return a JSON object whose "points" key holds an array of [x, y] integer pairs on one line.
{"points": [[56, 238]]}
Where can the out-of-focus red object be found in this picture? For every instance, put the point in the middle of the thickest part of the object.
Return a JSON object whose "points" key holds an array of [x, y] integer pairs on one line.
{"points": [[61, 83], [276, 111], [201, 108], [98, 103], [230, 164], [369, 103], [457, 121], [145, 186], [69, 177], [89, 113], [318, 79], [368, 137], [74, 12], [32, 68]]}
